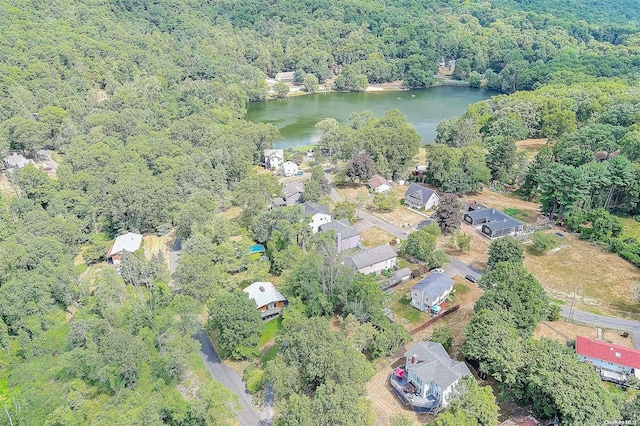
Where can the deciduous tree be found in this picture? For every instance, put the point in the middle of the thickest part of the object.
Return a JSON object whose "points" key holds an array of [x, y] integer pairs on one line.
{"points": [[448, 213]]}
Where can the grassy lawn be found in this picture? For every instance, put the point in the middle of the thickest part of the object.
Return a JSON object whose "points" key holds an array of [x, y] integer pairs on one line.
{"points": [[375, 236], [152, 244], [603, 281], [400, 216], [401, 307], [270, 329], [630, 227], [517, 214]]}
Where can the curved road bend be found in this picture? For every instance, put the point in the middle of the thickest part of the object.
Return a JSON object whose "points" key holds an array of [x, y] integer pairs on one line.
{"points": [[229, 378], [633, 327]]}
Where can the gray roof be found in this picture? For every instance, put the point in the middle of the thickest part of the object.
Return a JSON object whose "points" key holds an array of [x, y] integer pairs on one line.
{"points": [[434, 284], [263, 293], [128, 242], [341, 227], [507, 223], [313, 208], [293, 188], [418, 193], [371, 256], [435, 365], [16, 161], [401, 273], [279, 153]]}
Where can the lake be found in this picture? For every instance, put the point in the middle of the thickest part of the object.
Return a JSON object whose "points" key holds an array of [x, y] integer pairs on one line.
{"points": [[296, 117]]}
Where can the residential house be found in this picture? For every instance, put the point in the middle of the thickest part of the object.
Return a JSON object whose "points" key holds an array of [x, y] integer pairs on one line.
{"points": [[273, 158], [374, 260], [289, 168], [346, 237], [293, 193], [129, 242], [493, 222], [319, 215], [431, 291], [420, 197], [428, 377], [379, 184], [269, 301], [286, 77], [614, 363], [15, 162]]}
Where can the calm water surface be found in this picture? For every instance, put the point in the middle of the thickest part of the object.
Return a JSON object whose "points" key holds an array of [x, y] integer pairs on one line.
{"points": [[296, 117]]}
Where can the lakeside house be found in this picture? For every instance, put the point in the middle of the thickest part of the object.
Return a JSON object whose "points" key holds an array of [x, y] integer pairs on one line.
{"points": [[428, 377], [493, 223], [420, 197], [289, 168], [614, 363], [273, 158], [346, 237], [431, 291], [286, 77], [319, 215], [373, 260], [378, 184], [269, 301], [129, 242]]}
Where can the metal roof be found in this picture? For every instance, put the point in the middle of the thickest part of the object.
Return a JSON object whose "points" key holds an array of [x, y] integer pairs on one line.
{"points": [[264, 293], [128, 242]]}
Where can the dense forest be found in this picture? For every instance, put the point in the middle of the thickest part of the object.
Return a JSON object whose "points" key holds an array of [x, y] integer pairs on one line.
{"points": [[143, 104]]}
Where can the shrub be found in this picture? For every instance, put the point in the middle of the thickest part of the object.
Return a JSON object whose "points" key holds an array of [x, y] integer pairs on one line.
{"points": [[542, 242]]}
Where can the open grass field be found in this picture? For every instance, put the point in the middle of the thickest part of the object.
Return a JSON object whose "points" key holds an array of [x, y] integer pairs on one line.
{"points": [[563, 331], [477, 255], [530, 147], [350, 192], [375, 236], [603, 281], [400, 216], [526, 210], [152, 244], [270, 330]]}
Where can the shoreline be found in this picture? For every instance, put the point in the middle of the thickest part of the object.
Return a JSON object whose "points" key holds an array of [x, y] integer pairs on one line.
{"points": [[393, 86]]}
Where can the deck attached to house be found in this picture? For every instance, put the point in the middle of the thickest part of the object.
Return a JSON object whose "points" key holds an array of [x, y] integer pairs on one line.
{"points": [[406, 391]]}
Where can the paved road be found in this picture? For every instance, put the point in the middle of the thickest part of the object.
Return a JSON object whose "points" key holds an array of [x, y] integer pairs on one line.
{"points": [[174, 256], [266, 414], [458, 267], [633, 327], [229, 378]]}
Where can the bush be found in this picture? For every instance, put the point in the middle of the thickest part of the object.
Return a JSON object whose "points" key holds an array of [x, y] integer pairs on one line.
{"points": [[385, 202], [553, 312], [443, 335], [542, 242], [254, 378]]}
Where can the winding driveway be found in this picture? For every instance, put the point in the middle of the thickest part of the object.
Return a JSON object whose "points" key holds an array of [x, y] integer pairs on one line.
{"points": [[229, 378], [633, 327]]}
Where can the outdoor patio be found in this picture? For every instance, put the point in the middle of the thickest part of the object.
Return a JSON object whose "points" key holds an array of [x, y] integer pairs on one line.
{"points": [[406, 391]]}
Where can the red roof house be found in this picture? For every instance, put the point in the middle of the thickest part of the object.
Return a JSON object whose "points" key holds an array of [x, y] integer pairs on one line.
{"points": [[613, 362]]}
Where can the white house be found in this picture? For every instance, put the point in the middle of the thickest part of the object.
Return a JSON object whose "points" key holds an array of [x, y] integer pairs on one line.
{"points": [[128, 242], [289, 168], [429, 376], [269, 301], [431, 291], [374, 260], [420, 197], [273, 158], [319, 215], [379, 184], [15, 162]]}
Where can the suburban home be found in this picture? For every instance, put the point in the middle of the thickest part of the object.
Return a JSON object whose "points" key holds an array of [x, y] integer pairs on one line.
{"points": [[269, 301], [428, 377], [431, 291], [15, 162], [614, 363], [373, 260], [289, 168], [293, 192], [286, 77], [420, 197], [319, 215], [273, 158], [379, 184], [346, 237], [130, 242], [493, 222]]}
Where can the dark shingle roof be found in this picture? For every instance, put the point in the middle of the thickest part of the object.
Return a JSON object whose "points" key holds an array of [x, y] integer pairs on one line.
{"points": [[434, 284], [341, 227], [507, 223], [489, 214], [291, 189], [418, 193], [313, 208], [370, 257]]}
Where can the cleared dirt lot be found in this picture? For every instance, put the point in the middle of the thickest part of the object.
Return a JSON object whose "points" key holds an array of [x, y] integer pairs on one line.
{"points": [[603, 282], [477, 255]]}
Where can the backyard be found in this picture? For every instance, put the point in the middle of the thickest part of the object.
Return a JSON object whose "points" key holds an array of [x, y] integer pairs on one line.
{"points": [[374, 236]]}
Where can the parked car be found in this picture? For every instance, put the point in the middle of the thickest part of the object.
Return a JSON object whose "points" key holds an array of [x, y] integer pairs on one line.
{"points": [[471, 278]]}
